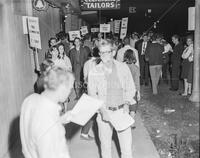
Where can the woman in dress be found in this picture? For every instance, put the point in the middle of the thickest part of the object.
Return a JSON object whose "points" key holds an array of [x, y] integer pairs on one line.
{"points": [[187, 66]]}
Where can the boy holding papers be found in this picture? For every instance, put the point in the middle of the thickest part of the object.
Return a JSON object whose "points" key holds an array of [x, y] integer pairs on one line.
{"points": [[111, 82]]}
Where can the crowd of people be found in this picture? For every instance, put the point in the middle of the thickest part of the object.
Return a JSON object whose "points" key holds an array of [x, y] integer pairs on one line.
{"points": [[106, 68]]}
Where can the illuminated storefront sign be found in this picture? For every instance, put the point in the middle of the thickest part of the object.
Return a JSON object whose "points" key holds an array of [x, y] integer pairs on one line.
{"points": [[100, 4]]}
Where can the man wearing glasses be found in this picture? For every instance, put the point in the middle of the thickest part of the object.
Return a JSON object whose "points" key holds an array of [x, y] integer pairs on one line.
{"points": [[111, 81]]}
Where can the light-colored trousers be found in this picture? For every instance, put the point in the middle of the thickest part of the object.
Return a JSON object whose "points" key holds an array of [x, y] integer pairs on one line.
{"points": [[105, 136], [155, 73]]}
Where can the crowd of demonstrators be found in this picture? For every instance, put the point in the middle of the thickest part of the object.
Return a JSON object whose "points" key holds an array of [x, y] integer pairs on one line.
{"points": [[113, 70], [160, 59]]}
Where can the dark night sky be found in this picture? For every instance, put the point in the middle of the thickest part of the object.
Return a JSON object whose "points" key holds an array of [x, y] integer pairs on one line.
{"points": [[175, 21]]}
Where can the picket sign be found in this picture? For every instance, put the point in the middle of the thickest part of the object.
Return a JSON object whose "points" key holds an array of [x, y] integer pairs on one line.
{"points": [[74, 34], [105, 28]]}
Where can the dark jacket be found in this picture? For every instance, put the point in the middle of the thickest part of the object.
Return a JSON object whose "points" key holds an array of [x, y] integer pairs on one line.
{"points": [[78, 60], [139, 47], [154, 54], [176, 54]]}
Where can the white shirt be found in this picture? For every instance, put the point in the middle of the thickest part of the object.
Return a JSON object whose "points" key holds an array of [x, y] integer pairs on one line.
{"points": [[64, 63], [132, 42], [120, 54], [167, 48], [42, 133], [188, 53], [88, 66]]}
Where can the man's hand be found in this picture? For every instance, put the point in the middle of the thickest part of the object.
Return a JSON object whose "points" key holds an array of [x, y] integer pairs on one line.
{"points": [[126, 108], [104, 115], [138, 96], [67, 117], [132, 113]]}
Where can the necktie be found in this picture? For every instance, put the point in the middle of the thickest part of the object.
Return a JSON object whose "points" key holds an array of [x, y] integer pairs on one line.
{"points": [[143, 48]]}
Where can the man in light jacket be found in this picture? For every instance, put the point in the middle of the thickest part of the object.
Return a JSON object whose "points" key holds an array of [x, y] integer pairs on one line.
{"points": [[111, 81]]}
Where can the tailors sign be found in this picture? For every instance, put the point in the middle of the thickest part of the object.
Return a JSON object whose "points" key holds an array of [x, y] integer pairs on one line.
{"points": [[100, 4]]}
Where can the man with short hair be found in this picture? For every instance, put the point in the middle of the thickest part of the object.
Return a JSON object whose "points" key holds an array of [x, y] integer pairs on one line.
{"points": [[154, 57], [78, 56], [144, 65], [176, 62], [111, 82]]}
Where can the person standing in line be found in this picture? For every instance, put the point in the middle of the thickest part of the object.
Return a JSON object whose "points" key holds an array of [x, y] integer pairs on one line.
{"points": [[176, 62], [120, 53], [78, 57], [42, 131], [155, 58], [111, 81], [63, 57], [144, 65], [52, 42], [90, 64], [165, 67], [134, 38], [130, 60], [187, 66]]}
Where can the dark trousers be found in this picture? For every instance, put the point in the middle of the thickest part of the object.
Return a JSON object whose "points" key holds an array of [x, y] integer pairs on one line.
{"points": [[78, 88], [144, 70], [175, 72], [165, 72], [85, 129]]}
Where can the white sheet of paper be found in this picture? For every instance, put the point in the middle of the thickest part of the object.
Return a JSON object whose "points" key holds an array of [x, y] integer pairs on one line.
{"points": [[84, 109], [120, 120]]}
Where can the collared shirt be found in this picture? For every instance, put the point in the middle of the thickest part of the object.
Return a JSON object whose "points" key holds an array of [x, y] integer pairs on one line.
{"points": [[120, 54], [42, 133], [97, 83]]}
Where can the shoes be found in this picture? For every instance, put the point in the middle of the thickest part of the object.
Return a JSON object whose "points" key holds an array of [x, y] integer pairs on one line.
{"points": [[86, 137], [184, 94]]}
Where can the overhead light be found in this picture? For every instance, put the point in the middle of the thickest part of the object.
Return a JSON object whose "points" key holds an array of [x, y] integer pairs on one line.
{"points": [[149, 10], [65, 16]]}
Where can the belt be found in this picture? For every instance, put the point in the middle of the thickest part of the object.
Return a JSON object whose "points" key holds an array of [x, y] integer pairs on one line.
{"points": [[116, 107]]}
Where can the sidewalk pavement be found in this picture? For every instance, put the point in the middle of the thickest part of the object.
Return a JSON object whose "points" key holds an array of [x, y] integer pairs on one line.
{"points": [[143, 146]]}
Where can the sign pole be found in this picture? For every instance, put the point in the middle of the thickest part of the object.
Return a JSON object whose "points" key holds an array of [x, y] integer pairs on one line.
{"points": [[37, 66], [195, 91]]}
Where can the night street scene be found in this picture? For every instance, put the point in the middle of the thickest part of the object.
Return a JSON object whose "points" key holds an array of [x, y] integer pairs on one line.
{"points": [[99, 78]]}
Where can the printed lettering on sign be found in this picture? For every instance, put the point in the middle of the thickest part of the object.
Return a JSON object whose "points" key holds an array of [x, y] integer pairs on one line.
{"points": [[100, 4], [34, 32], [105, 28], [74, 34]]}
